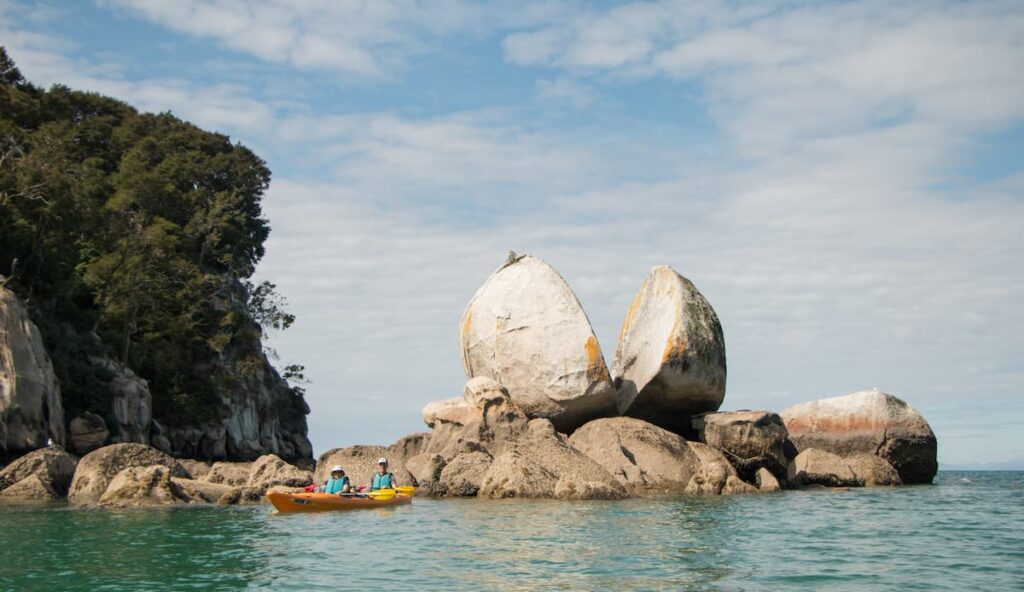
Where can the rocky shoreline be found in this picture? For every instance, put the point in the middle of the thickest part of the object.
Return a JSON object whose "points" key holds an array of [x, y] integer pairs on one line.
{"points": [[541, 416]]}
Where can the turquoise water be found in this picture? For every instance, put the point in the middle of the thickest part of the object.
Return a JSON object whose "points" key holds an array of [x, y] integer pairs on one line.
{"points": [[965, 532]]}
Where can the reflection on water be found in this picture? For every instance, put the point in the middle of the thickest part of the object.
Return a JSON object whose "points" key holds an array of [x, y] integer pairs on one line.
{"points": [[950, 536]]}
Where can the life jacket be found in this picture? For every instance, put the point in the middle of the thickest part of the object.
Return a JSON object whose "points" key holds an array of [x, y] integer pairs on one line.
{"points": [[335, 485], [385, 481]]}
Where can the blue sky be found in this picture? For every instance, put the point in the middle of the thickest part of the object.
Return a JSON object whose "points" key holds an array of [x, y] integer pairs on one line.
{"points": [[843, 181]]}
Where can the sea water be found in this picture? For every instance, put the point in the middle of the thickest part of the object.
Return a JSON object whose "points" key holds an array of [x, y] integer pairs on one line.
{"points": [[966, 532]]}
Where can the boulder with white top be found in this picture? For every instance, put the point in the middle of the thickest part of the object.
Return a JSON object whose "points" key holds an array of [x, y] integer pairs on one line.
{"points": [[670, 360], [525, 329]]}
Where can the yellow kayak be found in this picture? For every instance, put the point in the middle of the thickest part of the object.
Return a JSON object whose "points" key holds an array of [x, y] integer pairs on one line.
{"points": [[287, 503]]}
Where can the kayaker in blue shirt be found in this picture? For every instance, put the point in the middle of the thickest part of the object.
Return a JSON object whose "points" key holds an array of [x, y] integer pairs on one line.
{"points": [[383, 479], [338, 483]]}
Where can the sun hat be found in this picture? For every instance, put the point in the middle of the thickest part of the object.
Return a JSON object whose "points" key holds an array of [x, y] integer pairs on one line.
{"points": [[337, 469], [382, 461]]}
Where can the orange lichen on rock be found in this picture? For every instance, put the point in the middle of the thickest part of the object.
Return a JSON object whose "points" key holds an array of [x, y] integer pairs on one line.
{"points": [[596, 368]]}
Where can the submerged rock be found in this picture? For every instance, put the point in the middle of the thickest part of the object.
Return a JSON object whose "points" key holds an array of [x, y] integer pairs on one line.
{"points": [[643, 456], [670, 360], [867, 422], [31, 410], [751, 440], [525, 329], [96, 469], [42, 474]]}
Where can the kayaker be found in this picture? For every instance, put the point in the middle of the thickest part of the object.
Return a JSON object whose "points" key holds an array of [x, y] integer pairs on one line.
{"points": [[338, 483], [383, 479]]}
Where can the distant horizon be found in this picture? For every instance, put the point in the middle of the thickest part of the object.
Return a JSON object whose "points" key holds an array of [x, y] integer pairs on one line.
{"points": [[842, 181]]}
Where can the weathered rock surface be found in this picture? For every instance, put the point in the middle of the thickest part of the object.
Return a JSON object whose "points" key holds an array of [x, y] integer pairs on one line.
{"points": [[96, 469], [270, 470], [464, 474], [818, 467], [643, 456], [541, 463], [486, 427], [766, 481], [228, 473], [87, 432], [872, 471], [143, 486], [670, 360], [426, 469], [749, 439], [42, 474], [867, 422], [525, 329], [196, 469], [201, 491], [132, 404], [31, 410], [454, 410], [736, 486]]}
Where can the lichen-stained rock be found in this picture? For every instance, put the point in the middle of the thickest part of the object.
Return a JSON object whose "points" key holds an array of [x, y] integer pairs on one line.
{"points": [[42, 474], [749, 439], [228, 473], [818, 467], [867, 422], [670, 360], [463, 475], [96, 469], [643, 456], [143, 486], [269, 470], [710, 479], [31, 409], [525, 329]]}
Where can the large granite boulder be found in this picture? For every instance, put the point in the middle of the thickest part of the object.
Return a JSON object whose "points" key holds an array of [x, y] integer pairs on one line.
{"points": [[670, 360], [643, 456], [525, 329], [818, 467], [749, 439], [31, 410], [87, 432], [42, 474], [867, 422], [96, 469], [270, 470], [143, 486], [540, 463]]}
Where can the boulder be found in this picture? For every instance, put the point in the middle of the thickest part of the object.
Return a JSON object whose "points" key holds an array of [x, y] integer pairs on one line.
{"points": [[31, 410], [818, 467], [749, 439], [196, 469], [426, 470], [242, 495], [486, 429], [670, 360], [270, 470], [736, 486], [87, 432], [47, 472], [643, 456], [454, 410], [766, 481], [525, 329], [96, 469], [201, 491], [710, 479], [867, 422], [541, 463], [143, 486], [463, 475], [228, 473], [872, 471]]}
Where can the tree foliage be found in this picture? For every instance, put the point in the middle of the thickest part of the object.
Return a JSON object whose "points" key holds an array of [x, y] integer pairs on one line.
{"points": [[139, 228]]}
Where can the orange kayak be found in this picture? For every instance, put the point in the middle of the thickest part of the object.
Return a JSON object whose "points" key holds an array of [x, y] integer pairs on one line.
{"points": [[287, 503]]}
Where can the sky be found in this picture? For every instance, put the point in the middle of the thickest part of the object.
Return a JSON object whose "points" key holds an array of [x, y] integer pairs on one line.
{"points": [[843, 181]]}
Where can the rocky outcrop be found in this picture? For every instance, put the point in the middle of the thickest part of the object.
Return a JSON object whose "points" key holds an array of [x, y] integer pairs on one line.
{"points": [[199, 491], [525, 329], [710, 479], [87, 432], [642, 456], [97, 469], [464, 474], [867, 422], [270, 470], [143, 486], [228, 473], [196, 469], [31, 410], [751, 440], [132, 404], [818, 467], [766, 481], [670, 360], [454, 410], [44, 474]]}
